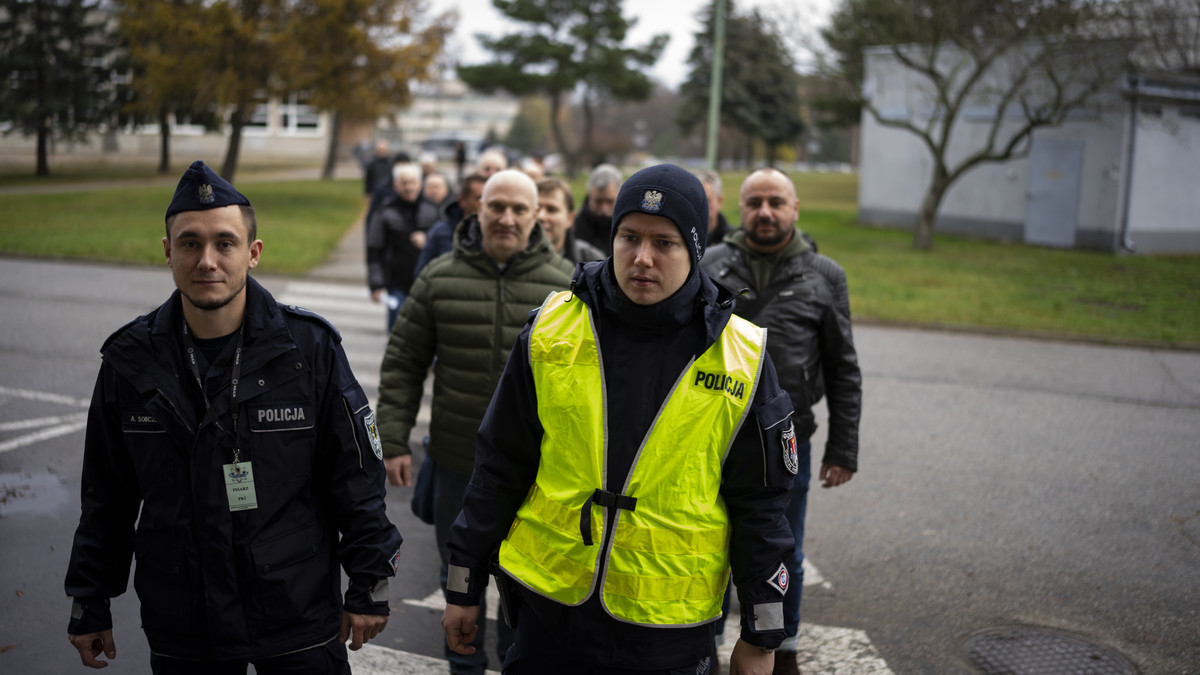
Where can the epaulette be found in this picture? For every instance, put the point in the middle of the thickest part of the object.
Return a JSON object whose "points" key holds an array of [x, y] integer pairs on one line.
{"points": [[120, 331], [312, 316]]}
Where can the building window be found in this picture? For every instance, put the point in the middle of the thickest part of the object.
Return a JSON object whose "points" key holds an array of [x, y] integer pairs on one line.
{"points": [[297, 118]]}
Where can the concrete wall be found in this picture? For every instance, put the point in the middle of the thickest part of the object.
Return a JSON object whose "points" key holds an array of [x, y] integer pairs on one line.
{"points": [[991, 200], [1164, 206]]}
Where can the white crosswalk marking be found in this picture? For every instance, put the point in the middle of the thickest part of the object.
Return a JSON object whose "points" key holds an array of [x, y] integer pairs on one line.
{"points": [[360, 321], [823, 649], [45, 427]]}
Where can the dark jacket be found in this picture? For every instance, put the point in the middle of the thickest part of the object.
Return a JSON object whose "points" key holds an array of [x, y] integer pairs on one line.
{"points": [[593, 228], [467, 312], [806, 309], [719, 232], [377, 172], [216, 584], [643, 351], [577, 250], [391, 254]]}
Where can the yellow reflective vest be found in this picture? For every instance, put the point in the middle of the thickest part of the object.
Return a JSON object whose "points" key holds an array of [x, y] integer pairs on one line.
{"points": [[666, 560]]}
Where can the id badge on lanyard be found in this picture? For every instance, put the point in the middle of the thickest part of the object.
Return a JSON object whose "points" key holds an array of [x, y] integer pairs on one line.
{"points": [[239, 475]]}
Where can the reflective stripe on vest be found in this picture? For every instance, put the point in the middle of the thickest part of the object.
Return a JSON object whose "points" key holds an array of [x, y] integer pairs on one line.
{"points": [[667, 561]]}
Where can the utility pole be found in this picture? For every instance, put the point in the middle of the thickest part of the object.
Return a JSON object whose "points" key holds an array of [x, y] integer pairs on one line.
{"points": [[715, 85]]}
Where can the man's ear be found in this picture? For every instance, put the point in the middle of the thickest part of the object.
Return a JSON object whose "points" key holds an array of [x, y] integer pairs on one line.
{"points": [[255, 252], [167, 250]]}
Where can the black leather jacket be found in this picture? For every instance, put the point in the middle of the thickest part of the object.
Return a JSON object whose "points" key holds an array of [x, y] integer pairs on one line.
{"points": [[806, 311]]}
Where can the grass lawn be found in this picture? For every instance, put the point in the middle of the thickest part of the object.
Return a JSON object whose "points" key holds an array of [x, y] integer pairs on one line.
{"points": [[300, 222], [962, 283]]}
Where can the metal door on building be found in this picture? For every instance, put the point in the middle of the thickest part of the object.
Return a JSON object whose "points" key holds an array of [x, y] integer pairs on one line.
{"points": [[1054, 177]]}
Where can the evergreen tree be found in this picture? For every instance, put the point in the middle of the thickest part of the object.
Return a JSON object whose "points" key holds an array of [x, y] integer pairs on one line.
{"points": [[760, 87], [567, 45], [528, 130], [55, 61]]}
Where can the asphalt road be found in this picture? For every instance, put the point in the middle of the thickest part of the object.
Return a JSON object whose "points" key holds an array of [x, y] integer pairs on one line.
{"points": [[1002, 482]]}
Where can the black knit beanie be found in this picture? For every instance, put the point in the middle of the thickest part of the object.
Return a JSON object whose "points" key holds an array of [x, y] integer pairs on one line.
{"points": [[671, 192]]}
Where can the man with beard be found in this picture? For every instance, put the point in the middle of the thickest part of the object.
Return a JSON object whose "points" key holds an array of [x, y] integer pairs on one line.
{"points": [[395, 237], [802, 299], [593, 221], [638, 447], [230, 448], [462, 317]]}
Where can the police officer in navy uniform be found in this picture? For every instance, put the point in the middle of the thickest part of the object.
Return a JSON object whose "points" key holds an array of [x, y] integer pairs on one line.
{"points": [[231, 451], [637, 447]]}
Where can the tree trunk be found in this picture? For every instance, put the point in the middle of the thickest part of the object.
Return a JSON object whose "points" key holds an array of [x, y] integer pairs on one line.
{"points": [[335, 123], [923, 234], [164, 141], [237, 120], [585, 147], [572, 158], [43, 137], [772, 154]]}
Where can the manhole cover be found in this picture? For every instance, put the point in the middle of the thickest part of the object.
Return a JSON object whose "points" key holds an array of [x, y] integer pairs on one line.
{"points": [[1030, 651]]}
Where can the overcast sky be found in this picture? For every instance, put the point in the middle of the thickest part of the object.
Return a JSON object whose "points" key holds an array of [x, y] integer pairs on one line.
{"points": [[675, 17]]}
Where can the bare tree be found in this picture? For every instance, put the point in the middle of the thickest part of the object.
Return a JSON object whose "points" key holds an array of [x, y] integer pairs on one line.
{"points": [[1029, 63], [1168, 34]]}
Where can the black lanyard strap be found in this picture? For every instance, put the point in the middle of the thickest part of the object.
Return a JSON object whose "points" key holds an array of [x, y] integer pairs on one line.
{"points": [[210, 414]]}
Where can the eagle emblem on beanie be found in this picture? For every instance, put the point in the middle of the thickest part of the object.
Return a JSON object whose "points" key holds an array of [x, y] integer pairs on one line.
{"points": [[652, 201], [204, 194]]}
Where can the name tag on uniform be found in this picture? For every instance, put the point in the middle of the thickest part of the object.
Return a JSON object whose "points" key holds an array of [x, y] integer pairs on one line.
{"points": [[239, 486]]}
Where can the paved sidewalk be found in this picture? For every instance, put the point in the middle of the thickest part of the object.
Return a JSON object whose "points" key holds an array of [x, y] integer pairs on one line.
{"points": [[347, 262]]}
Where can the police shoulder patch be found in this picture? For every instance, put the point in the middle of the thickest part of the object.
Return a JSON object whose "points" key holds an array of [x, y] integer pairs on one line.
{"points": [[790, 460], [780, 580], [373, 434]]}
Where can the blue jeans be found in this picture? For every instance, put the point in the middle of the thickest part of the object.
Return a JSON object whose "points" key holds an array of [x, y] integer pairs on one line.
{"points": [[795, 562], [448, 489], [394, 299]]}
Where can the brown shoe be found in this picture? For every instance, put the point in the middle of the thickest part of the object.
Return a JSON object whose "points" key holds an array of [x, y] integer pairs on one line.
{"points": [[785, 663]]}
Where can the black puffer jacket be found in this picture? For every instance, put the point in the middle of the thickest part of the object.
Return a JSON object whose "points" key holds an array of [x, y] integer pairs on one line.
{"points": [[806, 310]]}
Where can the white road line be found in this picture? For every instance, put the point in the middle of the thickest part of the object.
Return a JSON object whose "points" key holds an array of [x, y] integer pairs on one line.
{"points": [[376, 660], [43, 435], [45, 397], [824, 650], [41, 422], [437, 601], [347, 291], [333, 304], [812, 576]]}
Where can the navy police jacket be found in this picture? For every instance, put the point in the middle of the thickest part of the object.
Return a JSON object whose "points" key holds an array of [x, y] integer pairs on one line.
{"points": [[215, 583]]}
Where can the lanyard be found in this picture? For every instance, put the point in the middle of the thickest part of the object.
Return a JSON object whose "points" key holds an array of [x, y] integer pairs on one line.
{"points": [[233, 392]]}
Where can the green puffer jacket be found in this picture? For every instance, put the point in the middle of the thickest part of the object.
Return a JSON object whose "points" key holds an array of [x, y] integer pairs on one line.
{"points": [[467, 312]]}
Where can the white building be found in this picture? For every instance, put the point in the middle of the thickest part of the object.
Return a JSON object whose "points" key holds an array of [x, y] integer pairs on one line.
{"points": [[1120, 178], [289, 129]]}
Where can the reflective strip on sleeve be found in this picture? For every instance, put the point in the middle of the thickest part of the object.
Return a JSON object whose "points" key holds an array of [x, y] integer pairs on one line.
{"points": [[379, 592], [767, 617], [458, 580]]}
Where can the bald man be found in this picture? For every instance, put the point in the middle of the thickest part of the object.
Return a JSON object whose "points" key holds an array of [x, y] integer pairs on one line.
{"points": [[801, 298], [502, 266]]}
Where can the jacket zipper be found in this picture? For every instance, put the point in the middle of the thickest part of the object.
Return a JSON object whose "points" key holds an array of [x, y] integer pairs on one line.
{"points": [[175, 410]]}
